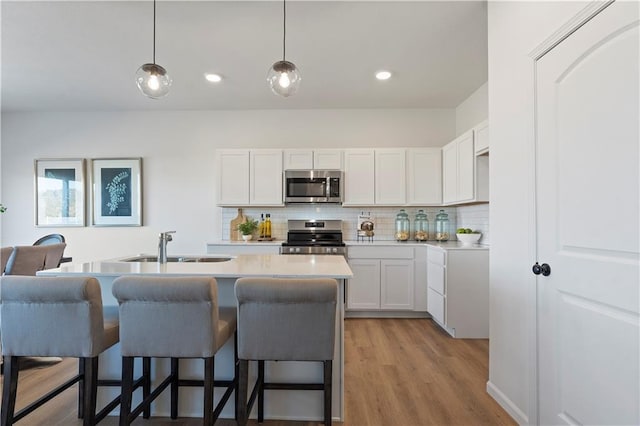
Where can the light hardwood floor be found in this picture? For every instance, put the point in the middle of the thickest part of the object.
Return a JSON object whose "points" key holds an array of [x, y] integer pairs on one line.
{"points": [[397, 372]]}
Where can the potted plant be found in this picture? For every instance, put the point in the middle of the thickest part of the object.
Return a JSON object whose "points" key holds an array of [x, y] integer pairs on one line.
{"points": [[2, 208], [247, 229]]}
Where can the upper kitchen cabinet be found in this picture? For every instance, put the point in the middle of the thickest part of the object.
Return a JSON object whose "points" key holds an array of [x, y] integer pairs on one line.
{"points": [[424, 176], [481, 138], [359, 177], [465, 176], [305, 159], [390, 177], [249, 177], [233, 177]]}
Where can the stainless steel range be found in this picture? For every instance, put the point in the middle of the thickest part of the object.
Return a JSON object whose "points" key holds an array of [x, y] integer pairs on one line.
{"points": [[314, 237]]}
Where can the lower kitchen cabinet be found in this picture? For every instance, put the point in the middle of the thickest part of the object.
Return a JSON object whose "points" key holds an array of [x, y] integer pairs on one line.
{"points": [[458, 290], [383, 279]]}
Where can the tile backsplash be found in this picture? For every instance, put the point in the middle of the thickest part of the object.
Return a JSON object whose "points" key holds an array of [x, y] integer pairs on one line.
{"points": [[476, 217]]}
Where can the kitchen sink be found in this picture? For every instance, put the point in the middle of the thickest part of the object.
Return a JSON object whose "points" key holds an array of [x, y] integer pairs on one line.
{"points": [[185, 259]]}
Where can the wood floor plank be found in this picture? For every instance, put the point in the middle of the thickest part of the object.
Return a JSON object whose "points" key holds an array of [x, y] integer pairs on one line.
{"points": [[400, 372]]}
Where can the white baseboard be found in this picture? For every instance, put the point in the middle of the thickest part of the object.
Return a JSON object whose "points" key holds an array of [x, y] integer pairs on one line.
{"points": [[511, 409]]}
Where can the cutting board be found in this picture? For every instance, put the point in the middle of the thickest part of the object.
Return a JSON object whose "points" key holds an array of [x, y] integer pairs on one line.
{"points": [[234, 234]]}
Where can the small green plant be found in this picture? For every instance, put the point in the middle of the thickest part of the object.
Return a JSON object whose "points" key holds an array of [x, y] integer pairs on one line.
{"points": [[2, 208], [248, 227]]}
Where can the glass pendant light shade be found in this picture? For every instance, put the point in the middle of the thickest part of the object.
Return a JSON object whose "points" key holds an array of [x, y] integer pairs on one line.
{"points": [[284, 78], [153, 81]]}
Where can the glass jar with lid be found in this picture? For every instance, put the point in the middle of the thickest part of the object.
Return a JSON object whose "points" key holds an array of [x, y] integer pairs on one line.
{"points": [[421, 226], [442, 226], [402, 226]]}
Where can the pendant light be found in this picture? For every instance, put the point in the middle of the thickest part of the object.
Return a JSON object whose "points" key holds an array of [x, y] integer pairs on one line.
{"points": [[152, 79], [283, 77]]}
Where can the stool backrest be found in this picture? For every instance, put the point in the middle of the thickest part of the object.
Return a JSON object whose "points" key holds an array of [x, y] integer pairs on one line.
{"points": [[286, 319], [50, 239], [5, 253], [51, 316], [27, 260], [167, 316]]}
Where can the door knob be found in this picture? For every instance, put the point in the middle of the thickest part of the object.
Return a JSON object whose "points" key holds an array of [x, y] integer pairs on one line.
{"points": [[543, 269]]}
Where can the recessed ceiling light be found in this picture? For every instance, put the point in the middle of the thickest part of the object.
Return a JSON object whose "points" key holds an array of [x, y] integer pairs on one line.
{"points": [[214, 78], [383, 75]]}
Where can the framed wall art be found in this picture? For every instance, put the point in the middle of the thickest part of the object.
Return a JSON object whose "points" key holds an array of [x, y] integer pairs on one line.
{"points": [[116, 192], [59, 192]]}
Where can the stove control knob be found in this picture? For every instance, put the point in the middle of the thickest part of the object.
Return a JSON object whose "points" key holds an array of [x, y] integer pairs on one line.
{"points": [[297, 249], [335, 250]]}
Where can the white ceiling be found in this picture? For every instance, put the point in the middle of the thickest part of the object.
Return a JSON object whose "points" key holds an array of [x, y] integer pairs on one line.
{"points": [[82, 55]]}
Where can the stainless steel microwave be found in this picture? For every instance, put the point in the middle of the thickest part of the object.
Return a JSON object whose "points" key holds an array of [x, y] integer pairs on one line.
{"points": [[313, 186]]}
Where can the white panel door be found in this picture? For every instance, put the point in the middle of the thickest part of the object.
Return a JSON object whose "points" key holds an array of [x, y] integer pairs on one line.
{"points": [[233, 177], [390, 181], [466, 168], [424, 176], [587, 223], [265, 177], [359, 177], [297, 159], [363, 290], [450, 173], [396, 284]]}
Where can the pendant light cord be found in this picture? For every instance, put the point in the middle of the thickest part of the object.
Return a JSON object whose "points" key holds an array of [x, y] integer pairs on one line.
{"points": [[154, 32], [284, 29]]}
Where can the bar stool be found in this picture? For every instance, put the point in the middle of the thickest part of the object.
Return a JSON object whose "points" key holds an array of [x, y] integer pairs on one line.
{"points": [[173, 317], [284, 320], [56, 316]]}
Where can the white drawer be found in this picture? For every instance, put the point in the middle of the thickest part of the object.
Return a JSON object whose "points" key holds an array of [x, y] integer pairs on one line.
{"points": [[435, 306], [379, 252], [437, 256], [435, 278]]}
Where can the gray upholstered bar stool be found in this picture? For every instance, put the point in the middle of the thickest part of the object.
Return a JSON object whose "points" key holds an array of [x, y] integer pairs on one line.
{"points": [[55, 316], [173, 317], [284, 320]]}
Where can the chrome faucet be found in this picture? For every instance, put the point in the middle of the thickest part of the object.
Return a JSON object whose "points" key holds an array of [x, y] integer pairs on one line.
{"points": [[165, 237]]}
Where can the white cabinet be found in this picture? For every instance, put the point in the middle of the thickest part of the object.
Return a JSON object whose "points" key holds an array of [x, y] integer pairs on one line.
{"points": [[265, 177], [359, 177], [481, 136], [458, 290], [465, 176], [390, 177], [249, 177], [375, 177], [424, 176], [305, 159], [233, 177], [383, 278]]}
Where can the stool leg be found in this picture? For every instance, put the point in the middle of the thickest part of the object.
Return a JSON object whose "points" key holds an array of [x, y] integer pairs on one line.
{"points": [[146, 385], [236, 372], [81, 388], [260, 391], [328, 376], [243, 384], [90, 390], [175, 376], [209, 371], [9, 389], [127, 390]]}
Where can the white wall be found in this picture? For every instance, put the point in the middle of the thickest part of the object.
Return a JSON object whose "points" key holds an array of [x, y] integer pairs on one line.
{"points": [[472, 110], [178, 159], [515, 29]]}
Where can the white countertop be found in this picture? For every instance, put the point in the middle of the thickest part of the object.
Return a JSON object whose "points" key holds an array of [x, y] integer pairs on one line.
{"points": [[249, 265], [447, 245]]}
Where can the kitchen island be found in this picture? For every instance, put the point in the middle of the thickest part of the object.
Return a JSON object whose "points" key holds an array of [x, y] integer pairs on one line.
{"points": [[288, 405]]}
